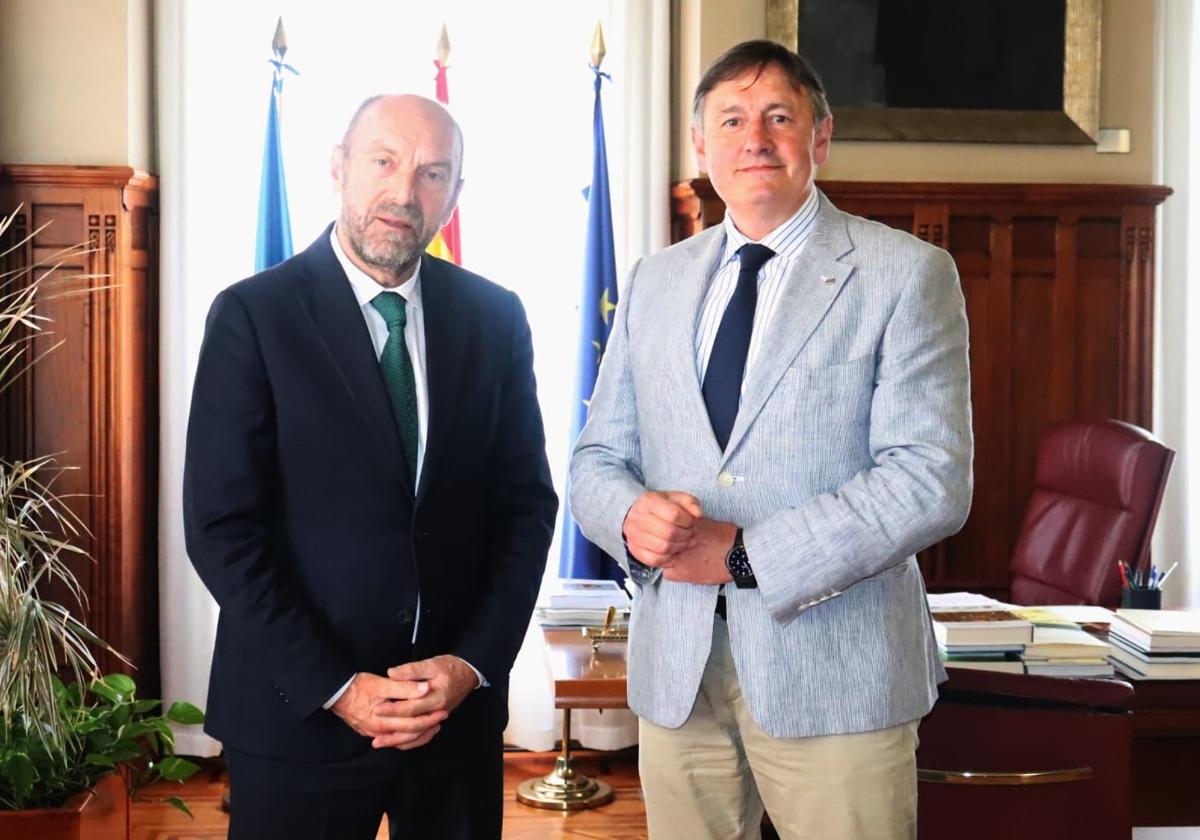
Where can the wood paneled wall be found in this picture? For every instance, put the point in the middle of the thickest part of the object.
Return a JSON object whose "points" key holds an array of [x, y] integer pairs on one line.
{"points": [[1059, 284], [93, 401]]}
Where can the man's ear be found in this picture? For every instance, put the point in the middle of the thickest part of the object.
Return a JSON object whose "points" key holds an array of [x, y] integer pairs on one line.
{"points": [[698, 147], [823, 135], [453, 203], [337, 160]]}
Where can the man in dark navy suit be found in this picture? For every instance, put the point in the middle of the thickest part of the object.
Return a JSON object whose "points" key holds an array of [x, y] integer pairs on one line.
{"points": [[366, 495]]}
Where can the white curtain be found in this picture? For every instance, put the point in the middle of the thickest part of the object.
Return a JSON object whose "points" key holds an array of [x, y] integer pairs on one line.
{"points": [[522, 93], [1177, 385], [187, 614]]}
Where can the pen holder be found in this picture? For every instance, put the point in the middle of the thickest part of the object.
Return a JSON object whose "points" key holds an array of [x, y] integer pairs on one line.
{"points": [[1141, 599]]}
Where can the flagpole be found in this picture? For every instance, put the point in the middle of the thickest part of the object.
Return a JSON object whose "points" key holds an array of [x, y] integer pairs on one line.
{"points": [[274, 236], [579, 557], [448, 243]]}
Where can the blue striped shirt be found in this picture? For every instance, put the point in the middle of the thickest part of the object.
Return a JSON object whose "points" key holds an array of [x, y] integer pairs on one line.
{"points": [[787, 241]]}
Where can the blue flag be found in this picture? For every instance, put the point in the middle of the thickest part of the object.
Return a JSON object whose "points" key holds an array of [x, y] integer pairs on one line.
{"points": [[580, 558], [274, 223]]}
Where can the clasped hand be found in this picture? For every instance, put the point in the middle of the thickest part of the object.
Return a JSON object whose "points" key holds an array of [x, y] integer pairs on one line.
{"points": [[406, 708], [668, 530]]}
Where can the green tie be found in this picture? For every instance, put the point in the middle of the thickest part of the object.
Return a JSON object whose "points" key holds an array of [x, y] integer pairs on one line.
{"points": [[398, 372]]}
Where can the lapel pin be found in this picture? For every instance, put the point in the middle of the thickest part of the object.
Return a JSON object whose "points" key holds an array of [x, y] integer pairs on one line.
{"points": [[829, 281]]}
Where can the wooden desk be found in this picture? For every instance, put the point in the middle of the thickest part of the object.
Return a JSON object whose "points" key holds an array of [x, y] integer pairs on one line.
{"points": [[1164, 724], [1041, 757], [1166, 752], [1165, 715], [583, 679]]}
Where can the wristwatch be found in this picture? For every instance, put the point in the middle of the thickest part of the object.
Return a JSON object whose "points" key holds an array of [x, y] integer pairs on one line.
{"points": [[738, 564]]}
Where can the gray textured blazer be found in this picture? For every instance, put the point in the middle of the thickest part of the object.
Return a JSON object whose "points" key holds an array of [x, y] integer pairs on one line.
{"points": [[851, 451]]}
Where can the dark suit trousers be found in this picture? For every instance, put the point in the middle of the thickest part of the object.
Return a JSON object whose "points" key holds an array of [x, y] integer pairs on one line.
{"points": [[272, 799]]}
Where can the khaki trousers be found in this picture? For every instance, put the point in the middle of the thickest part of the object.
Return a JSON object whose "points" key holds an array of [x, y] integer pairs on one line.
{"points": [[710, 779]]}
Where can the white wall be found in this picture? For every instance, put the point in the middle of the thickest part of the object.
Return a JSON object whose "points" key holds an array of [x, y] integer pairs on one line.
{"points": [[75, 80]]}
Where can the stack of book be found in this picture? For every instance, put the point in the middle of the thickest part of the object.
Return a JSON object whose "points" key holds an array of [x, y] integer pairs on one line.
{"points": [[582, 603], [984, 638], [1156, 644], [1061, 648]]}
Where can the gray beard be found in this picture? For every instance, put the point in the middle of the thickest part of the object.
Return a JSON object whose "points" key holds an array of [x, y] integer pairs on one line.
{"points": [[394, 251]]}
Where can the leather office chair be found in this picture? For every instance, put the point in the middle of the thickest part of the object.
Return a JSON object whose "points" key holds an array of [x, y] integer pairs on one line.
{"points": [[1097, 491]]}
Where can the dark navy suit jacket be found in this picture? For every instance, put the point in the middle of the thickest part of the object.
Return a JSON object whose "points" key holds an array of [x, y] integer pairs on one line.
{"points": [[301, 516]]}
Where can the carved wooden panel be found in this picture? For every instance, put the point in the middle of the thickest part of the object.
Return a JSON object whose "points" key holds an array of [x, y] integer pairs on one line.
{"points": [[93, 400], [1059, 286]]}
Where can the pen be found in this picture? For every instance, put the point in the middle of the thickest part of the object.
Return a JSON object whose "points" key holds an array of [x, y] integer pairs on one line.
{"points": [[1124, 578], [1163, 579]]}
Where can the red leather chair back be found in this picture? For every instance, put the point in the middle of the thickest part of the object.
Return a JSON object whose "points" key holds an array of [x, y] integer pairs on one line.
{"points": [[1096, 496]]}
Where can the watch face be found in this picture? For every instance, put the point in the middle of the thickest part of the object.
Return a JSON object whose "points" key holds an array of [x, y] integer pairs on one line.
{"points": [[739, 564]]}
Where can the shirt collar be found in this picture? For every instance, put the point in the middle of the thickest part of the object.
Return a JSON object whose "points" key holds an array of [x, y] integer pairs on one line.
{"points": [[787, 240], [366, 287]]}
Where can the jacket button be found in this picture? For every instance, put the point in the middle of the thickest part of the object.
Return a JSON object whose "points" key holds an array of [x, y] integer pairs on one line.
{"points": [[725, 479], [405, 616]]}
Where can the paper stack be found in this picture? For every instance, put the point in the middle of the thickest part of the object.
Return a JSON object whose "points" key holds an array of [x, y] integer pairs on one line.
{"points": [[582, 603], [1156, 644], [1061, 648]]}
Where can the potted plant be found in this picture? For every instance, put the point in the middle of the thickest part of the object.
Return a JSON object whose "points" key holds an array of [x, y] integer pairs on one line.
{"points": [[72, 741]]}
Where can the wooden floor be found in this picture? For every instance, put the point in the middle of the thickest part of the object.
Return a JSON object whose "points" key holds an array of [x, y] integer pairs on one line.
{"points": [[623, 819]]}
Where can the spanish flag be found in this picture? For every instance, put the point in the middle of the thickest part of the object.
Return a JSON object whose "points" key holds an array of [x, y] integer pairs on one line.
{"points": [[447, 245]]}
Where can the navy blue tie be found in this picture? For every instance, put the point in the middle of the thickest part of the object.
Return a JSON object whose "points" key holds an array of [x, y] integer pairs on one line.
{"points": [[727, 361]]}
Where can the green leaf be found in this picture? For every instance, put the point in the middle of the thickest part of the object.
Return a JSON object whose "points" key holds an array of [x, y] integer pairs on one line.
{"points": [[20, 773], [137, 729], [140, 707], [100, 760], [122, 714], [177, 769], [178, 803], [86, 727], [121, 684], [105, 691], [101, 741], [74, 695], [185, 713], [122, 753]]}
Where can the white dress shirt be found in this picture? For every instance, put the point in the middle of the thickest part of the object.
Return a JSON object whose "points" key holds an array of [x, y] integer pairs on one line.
{"points": [[787, 241], [365, 290]]}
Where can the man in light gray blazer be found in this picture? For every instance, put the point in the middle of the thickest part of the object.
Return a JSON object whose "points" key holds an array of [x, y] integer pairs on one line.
{"points": [[781, 421]]}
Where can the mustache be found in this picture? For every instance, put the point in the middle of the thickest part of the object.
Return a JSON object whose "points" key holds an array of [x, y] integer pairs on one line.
{"points": [[408, 213]]}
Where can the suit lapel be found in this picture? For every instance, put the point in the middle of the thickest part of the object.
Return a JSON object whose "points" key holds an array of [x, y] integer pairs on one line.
{"points": [[447, 328], [335, 316], [811, 288], [689, 281]]}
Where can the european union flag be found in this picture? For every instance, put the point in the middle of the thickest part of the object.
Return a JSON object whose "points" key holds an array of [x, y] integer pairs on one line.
{"points": [[580, 558], [274, 223]]}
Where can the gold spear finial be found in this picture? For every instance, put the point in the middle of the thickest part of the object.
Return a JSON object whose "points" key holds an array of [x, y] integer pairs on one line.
{"points": [[279, 42], [598, 51], [443, 46]]}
